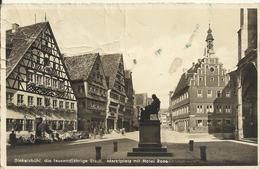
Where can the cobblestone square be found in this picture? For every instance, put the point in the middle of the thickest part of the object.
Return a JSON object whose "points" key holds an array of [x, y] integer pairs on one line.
{"points": [[219, 152]]}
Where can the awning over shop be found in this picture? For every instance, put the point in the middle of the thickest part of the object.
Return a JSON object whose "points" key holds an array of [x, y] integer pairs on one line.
{"points": [[61, 117], [111, 117], [53, 117], [12, 114]]}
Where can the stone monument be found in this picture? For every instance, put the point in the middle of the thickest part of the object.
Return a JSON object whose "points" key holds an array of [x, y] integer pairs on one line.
{"points": [[150, 133]]}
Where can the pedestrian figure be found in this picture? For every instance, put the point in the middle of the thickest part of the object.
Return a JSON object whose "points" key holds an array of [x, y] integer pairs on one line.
{"points": [[123, 131], [95, 132], [101, 132], [58, 136], [12, 139], [31, 139]]}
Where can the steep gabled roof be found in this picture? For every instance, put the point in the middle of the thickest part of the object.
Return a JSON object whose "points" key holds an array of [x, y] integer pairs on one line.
{"points": [[195, 67], [110, 64], [183, 82], [185, 77], [79, 67], [128, 83], [20, 41]]}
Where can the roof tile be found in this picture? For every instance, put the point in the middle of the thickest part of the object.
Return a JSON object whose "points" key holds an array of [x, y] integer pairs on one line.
{"points": [[110, 64], [79, 67]]}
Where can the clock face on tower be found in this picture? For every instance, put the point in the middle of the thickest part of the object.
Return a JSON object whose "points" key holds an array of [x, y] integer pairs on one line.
{"points": [[212, 69]]}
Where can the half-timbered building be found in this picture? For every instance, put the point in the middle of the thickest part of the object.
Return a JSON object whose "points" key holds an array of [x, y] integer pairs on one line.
{"points": [[113, 65], [89, 83], [38, 89]]}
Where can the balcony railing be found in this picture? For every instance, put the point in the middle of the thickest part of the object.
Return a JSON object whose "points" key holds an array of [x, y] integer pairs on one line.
{"points": [[97, 94], [45, 89], [45, 69], [91, 107]]}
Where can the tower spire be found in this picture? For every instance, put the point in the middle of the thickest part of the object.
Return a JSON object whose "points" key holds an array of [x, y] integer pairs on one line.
{"points": [[209, 40], [45, 17]]}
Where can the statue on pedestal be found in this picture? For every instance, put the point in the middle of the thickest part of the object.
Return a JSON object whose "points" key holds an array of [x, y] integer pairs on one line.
{"points": [[150, 133], [153, 108]]}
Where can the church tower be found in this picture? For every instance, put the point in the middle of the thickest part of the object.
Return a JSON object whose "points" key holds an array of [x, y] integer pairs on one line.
{"points": [[209, 40]]}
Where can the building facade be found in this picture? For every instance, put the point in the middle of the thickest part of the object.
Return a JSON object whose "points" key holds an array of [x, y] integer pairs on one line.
{"points": [[113, 65], [38, 90], [164, 116], [129, 116], [142, 99], [203, 99], [246, 117], [89, 83]]}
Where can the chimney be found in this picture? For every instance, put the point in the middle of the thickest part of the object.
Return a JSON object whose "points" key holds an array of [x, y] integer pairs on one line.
{"points": [[15, 26], [193, 63], [184, 70]]}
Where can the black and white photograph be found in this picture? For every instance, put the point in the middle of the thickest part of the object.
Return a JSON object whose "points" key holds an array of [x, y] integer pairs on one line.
{"points": [[160, 84]]}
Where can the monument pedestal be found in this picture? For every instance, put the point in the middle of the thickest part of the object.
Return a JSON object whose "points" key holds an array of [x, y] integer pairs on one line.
{"points": [[149, 140]]}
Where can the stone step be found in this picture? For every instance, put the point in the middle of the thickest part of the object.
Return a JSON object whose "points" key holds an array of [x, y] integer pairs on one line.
{"points": [[149, 145], [150, 154], [150, 149]]}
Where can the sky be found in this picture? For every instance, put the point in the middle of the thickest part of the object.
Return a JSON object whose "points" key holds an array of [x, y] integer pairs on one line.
{"points": [[158, 42]]}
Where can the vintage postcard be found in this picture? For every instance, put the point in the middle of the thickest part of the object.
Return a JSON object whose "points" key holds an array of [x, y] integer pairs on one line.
{"points": [[129, 84]]}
